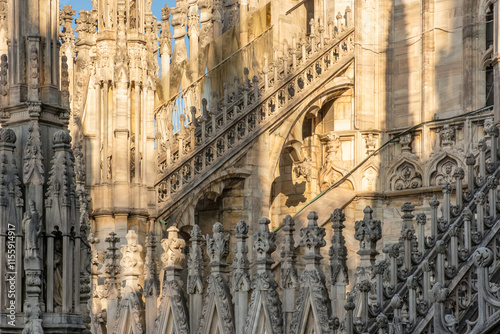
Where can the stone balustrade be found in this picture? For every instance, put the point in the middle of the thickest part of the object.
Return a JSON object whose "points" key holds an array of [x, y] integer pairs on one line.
{"points": [[436, 278], [241, 115]]}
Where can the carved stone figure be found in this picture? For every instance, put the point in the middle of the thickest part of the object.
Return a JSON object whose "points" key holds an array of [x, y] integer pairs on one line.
{"points": [[32, 229], [447, 135], [58, 264]]}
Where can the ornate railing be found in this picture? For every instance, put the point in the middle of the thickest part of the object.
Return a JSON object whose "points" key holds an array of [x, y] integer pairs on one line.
{"points": [[438, 278], [229, 124], [426, 283]]}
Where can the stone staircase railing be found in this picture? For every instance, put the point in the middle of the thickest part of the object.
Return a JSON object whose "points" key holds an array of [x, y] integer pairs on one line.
{"points": [[226, 126], [438, 278], [426, 284]]}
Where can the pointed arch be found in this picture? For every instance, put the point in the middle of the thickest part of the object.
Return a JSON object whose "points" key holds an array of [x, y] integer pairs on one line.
{"points": [[369, 178], [217, 314], [172, 314], [130, 317], [264, 315], [442, 167], [213, 186], [313, 306], [405, 174]]}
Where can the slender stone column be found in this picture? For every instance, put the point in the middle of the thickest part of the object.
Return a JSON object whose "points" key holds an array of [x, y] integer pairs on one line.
{"points": [[496, 57], [50, 272], [76, 269], [193, 33], [165, 52], [338, 264], [111, 283], [367, 231], [138, 114], [130, 314], [151, 283], [243, 23], [289, 280], [179, 22], [241, 277], [33, 268], [10, 224], [195, 278], [105, 129], [98, 162], [3, 271]]}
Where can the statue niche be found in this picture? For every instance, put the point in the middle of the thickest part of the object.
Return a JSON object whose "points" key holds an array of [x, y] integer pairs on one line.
{"points": [[331, 172], [58, 263]]}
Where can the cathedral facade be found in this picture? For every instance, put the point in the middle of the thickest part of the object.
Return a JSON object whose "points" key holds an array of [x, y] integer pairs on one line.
{"points": [[250, 166]]}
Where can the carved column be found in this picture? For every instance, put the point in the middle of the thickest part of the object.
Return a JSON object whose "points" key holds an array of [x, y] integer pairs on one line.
{"points": [[67, 53], [206, 35], [241, 277], [265, 298], [32, 223], [495, 58], [289, 280], [136, 159], [218, 297], [61, 215], [193, 33], [195, 278], [483, 259], [165, 52], [421, 221], [84, 252], [172, 308], [4, 33], [217, 19], [104, 158], [492, 133], [110, 281], [151, 283], [470, 161], [434, 204], [130, 313], [179, 22], [11, 229], [34, 171], [407, 234], [338, 264], [243, 23], [313, 292], [367, 231], [492, 184]]}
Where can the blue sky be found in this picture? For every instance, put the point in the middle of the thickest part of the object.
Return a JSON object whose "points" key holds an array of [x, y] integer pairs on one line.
{"points": [[78, 5]]}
